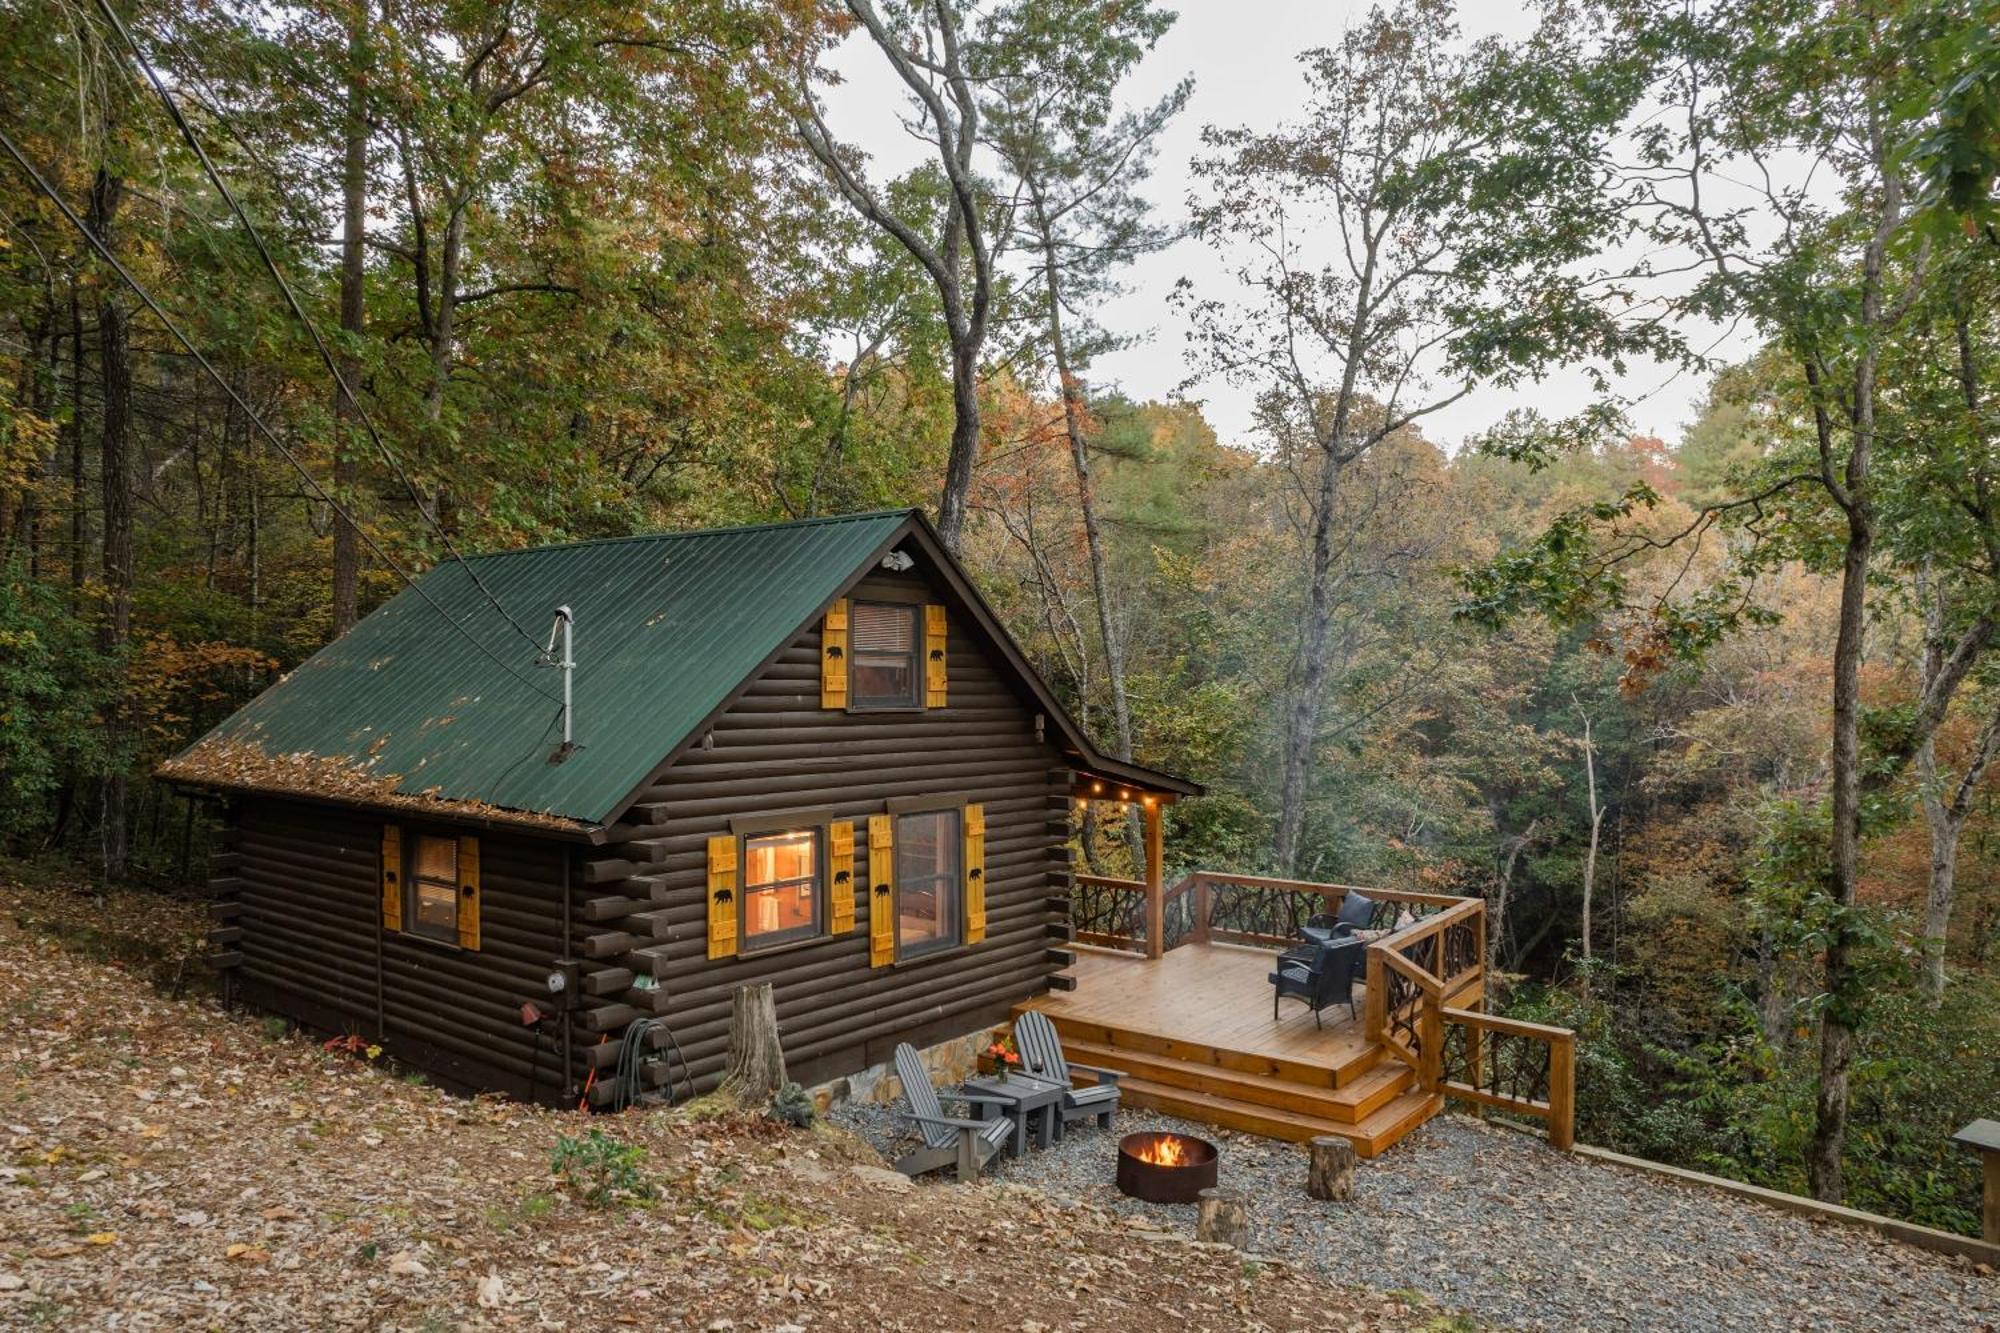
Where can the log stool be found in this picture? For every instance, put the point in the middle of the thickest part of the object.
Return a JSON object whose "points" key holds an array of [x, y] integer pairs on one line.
{"points": [[1330, 1174]]}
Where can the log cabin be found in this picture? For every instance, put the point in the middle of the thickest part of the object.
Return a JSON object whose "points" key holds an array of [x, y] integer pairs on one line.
{"points": [[545, 805]]}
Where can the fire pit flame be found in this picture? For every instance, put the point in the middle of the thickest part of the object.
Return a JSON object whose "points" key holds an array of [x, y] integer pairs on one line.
{"points": [[1165, 1168], [1166, 1150]]}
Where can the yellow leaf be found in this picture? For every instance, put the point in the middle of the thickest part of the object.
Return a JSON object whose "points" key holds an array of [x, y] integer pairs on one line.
{"points": [[102, 1237]]}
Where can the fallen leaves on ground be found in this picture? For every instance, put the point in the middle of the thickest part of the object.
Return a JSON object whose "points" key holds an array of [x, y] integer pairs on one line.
{"points": [[169, 1165]]}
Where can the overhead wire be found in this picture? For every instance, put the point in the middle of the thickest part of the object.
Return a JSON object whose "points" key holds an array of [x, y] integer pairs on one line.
{"points": [[298, 311], [146, 298]]}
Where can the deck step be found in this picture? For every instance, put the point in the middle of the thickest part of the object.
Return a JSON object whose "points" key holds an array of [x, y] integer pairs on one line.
{"points": [[1360, 1062], [1348, 1104], [1373, 1135]]}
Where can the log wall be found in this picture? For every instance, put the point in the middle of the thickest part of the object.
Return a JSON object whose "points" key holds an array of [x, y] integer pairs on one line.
{"points": [[301, 886], [776, 751]]}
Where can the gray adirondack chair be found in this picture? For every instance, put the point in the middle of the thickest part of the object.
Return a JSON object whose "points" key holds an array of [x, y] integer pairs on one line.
{"points": [[1042, 1055], [948, 1141]]}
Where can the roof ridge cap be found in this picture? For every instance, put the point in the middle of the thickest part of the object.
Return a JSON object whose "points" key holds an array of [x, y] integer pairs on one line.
{"points": [[674, 534]]}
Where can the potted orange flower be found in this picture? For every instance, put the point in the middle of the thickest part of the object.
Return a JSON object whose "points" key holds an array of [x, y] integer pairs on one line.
{"points": [[1004, 1057]]}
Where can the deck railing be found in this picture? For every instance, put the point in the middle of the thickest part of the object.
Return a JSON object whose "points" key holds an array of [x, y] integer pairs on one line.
{"points": [[1525, 1068], [1109, 913], [1421, 974]]}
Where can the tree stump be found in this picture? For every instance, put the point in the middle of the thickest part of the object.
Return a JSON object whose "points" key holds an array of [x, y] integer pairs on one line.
{"points": [[756, 1059], [1331, 1173], [1225, 1218]]}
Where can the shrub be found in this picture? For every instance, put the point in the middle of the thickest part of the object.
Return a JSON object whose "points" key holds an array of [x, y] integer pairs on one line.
{"points": [[791, 1106], [599, 1169]]}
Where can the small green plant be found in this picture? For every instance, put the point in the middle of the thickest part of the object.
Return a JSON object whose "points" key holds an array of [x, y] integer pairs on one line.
{"points": [[80, 1216], [599, 1169], [275, 1027], [791, 1106]]}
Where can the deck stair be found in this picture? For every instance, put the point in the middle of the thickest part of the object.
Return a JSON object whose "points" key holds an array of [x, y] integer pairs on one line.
{"points": [[1369, 1100]]}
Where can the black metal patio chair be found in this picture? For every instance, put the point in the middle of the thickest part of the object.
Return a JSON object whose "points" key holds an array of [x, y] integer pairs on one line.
{"points": [[1319, 974]]}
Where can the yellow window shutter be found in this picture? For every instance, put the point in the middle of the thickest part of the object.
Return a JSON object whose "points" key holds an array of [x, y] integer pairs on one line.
{"points": [[934, 654], [833, 657], [468, 893], [392, 877], [840, 877], [881, 890], [722, 896], [975, 873]]}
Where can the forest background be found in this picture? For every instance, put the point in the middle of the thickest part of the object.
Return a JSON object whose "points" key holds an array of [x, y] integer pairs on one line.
{"points": [[1707, 720]]}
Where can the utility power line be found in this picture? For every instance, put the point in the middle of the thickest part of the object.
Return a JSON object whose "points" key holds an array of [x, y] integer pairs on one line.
{"points": [[146, 297], [319, 343]]}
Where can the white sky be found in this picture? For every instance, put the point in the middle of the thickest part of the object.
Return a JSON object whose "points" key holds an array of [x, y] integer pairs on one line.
{"points": [[1242, 56]]}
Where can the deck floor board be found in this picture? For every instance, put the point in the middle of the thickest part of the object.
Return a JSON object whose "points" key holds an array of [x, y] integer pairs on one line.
{"points": [[1215, 995]]}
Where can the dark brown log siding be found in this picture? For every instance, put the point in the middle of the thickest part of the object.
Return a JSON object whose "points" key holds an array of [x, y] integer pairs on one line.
{"points": [[309, 902], [776, 751]]}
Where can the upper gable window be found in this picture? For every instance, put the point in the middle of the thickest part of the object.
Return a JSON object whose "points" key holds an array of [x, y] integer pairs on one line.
{"points": [[884, 643]]}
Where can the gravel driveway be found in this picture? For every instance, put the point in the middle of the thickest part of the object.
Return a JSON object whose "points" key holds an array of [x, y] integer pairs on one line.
{"points": [[1497, 1224]]}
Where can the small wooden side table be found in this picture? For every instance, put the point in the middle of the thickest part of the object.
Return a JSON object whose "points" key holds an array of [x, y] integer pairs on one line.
{"points": [[1983, 1137], [1024, 1095]]}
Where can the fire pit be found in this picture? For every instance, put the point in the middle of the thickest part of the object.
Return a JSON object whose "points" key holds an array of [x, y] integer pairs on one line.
{"points": [[1165, 1168]]}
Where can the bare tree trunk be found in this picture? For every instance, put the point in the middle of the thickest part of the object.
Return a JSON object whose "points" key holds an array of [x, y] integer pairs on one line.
{"points": [[1946, 816], [79, 512], [1596, 827], [756, 1067], [944, 87], [1093, 540], [115, 370], [354, 224]]}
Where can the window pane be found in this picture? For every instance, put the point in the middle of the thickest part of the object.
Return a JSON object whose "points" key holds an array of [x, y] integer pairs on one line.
{"points": [[780, 856], [772, 911], [927, 882], [884, 680], [878, 628], [781, 887], [437, 858], [437, 905]]}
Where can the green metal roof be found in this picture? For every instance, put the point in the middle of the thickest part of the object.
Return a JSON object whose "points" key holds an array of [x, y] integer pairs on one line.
{"points": [[666, 628]]}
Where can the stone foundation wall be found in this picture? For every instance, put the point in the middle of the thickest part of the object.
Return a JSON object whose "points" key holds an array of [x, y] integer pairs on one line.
{"points": [[949, 1062]]}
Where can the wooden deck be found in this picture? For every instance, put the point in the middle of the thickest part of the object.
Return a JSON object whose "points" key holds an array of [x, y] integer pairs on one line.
{"points": [[1193, 1034]]}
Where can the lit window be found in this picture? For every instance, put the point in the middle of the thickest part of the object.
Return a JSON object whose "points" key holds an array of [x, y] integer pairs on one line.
{"points": [[434, 888], [781, 887], [928, 885], [883, 646]]}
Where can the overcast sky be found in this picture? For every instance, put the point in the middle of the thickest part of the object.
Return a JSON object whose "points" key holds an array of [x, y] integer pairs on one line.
{"points": [[1243, 56]]}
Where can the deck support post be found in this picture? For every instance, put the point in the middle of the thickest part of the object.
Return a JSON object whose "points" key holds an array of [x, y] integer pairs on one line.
{"points": [[1156, 886]]}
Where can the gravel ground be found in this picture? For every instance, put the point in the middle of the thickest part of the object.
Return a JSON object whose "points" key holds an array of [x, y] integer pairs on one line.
{"points": [[1495, 1223]]}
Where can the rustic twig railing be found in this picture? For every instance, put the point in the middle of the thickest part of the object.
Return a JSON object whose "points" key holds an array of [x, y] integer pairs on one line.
{"points": [[1525, 1068], [1421, 973], [1110, 913]]}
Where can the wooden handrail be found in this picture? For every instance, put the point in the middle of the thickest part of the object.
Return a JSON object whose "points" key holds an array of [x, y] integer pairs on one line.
{"points": [[1485, 1084], [1336, 891]]}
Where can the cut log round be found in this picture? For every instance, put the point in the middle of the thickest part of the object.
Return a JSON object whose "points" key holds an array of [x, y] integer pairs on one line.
{"points": [[756, 1059], [1225, 1218], [1331, 1172]]}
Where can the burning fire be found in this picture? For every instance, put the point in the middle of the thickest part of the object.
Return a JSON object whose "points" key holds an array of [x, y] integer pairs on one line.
{"points": [[1166, 1150]]}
